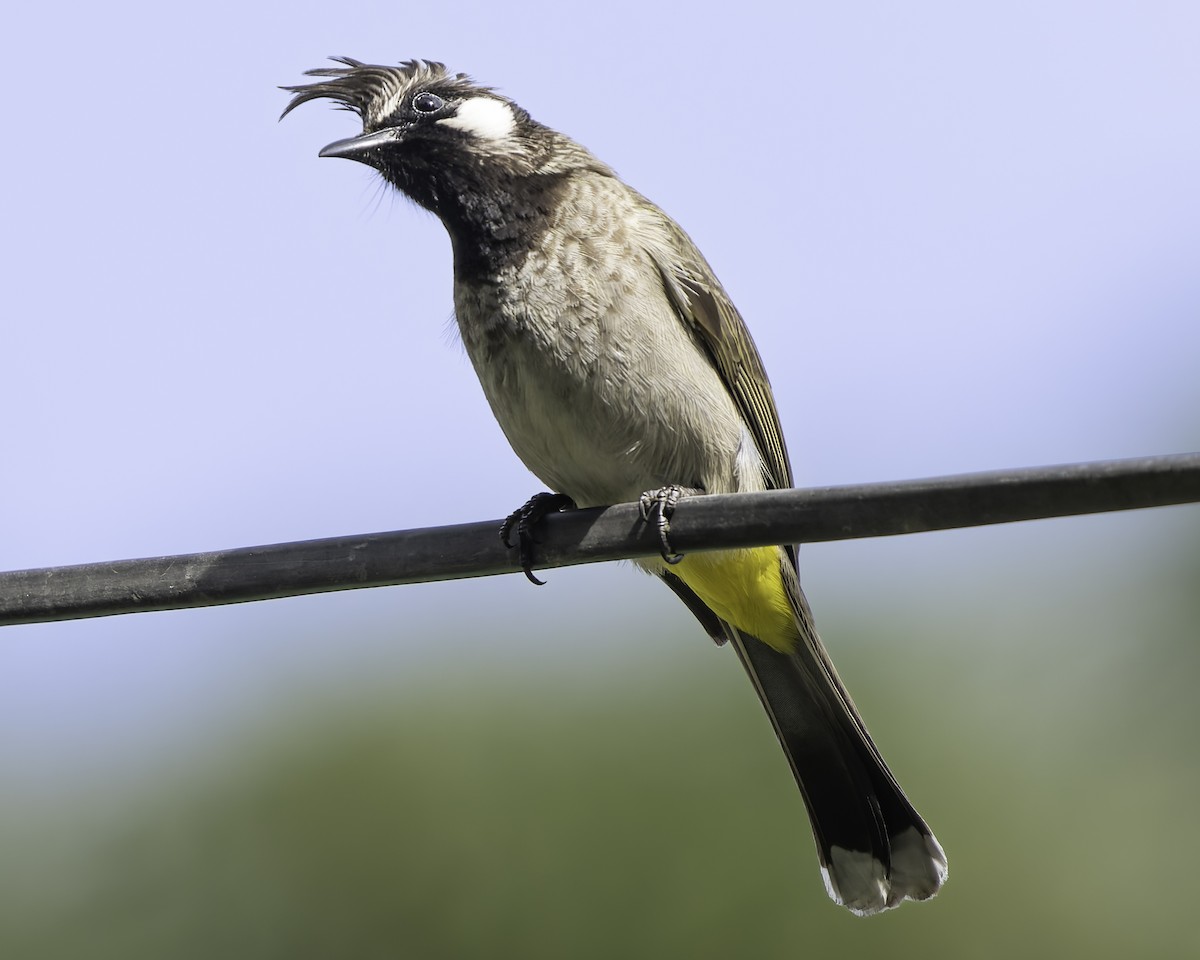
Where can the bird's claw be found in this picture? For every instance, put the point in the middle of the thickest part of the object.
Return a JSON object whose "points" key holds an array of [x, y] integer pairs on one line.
{"points": [[657, 507], [524, 520]]}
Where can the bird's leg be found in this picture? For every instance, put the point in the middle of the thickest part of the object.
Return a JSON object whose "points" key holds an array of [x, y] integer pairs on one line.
{"points": [[657, 507], [525, 519]]}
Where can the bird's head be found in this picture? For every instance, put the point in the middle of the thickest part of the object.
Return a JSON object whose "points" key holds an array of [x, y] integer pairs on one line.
{"points": [[459, 149], [417, 106], [435, 135]]}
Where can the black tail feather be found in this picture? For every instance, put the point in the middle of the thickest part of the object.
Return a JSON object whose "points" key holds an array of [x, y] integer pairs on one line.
{"points": [[875, 849]]}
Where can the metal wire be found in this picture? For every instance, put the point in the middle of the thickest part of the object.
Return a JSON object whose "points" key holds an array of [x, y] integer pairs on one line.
{"points": [[589, 536]]}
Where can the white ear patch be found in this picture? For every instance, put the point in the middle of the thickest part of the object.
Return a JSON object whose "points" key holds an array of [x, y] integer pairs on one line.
{"points": [[484, 118]]}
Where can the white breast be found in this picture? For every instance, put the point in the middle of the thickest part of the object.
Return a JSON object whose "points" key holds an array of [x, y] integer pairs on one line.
{"points": [[597, 384]]}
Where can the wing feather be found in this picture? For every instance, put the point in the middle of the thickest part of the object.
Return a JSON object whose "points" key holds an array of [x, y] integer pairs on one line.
{"points": [[704, 306]]}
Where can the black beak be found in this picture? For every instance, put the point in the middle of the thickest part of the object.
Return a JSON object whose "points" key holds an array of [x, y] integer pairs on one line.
{"points": [[354, 148]]}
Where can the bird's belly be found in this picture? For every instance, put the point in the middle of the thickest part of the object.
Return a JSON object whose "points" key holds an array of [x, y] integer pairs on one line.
{"points": [[578, 437], [602, 429]]}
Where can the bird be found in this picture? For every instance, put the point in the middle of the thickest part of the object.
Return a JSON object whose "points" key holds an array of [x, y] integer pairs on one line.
{"points": [[619, 370]]}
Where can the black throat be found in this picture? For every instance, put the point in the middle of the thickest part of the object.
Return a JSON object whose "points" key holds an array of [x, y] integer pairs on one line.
{"points": [[492, 215]]}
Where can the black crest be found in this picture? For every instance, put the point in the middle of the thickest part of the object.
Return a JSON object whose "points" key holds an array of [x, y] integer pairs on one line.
{"points": [[374, 91]]}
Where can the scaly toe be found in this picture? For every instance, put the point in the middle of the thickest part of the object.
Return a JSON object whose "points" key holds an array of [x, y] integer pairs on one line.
{"points": [[525, 520], [656, 507]]}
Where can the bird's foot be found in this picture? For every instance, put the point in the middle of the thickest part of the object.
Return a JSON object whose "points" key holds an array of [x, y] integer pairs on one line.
{"points": [[657, 507], [525, 519]]}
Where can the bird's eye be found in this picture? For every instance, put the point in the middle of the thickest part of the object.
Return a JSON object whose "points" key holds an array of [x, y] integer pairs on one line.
{"points": [[427, 103]]}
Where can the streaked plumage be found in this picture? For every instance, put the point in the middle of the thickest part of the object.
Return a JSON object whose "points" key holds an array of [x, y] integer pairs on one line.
{"points": [[615, 363]]}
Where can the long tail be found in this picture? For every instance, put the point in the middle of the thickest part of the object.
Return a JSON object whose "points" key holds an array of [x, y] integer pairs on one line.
{"points": [[875, 849]]}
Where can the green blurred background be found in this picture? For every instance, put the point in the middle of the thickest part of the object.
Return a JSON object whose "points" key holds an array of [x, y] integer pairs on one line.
{"points": [[564, 786]]}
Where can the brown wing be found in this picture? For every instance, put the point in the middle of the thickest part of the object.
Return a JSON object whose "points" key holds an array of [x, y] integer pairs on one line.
{"points": [[704, 306]]}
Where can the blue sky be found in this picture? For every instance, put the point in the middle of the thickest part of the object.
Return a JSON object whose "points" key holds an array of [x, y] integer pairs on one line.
{"points": [[964, 237]]}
